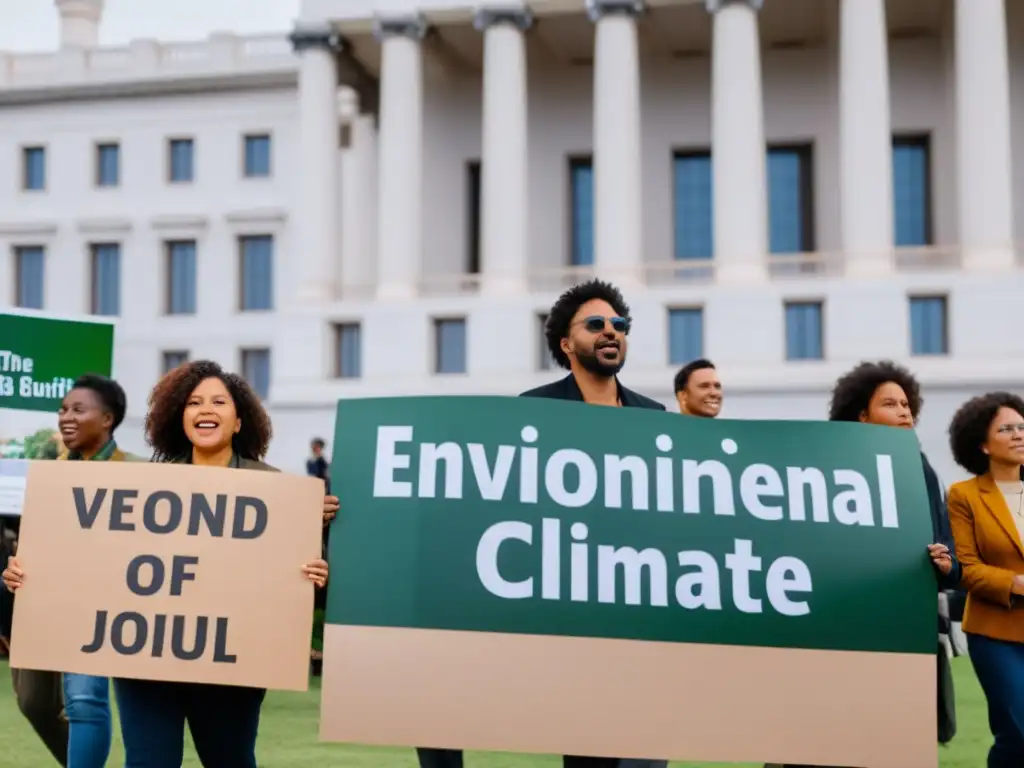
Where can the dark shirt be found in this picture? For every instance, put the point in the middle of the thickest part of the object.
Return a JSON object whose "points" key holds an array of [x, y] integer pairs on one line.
{"points": [[568, 389], [941, 531], [318, 467]]}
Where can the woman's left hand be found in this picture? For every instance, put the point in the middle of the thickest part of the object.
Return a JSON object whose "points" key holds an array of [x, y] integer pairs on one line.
{"points": [[316, 572], [941, 558], [330, 508]]}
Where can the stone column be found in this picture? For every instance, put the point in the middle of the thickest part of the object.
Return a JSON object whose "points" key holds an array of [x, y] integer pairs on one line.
{"points": [[983, 126], [359, 210], [738, 144], [400, 163], [618, 235], [504, 165], [865, 138], [318, 197]]}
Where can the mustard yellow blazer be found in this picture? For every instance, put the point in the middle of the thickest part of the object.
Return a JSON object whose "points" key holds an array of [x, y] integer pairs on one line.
{"points": [[991, 553]]}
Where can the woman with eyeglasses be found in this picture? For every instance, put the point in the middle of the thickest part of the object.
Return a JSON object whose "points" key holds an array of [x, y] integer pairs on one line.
{"points": [[987, 516]]}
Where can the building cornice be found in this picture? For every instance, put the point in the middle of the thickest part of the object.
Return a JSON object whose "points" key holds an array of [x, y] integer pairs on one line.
{"points": [[13, 229], [105, 226], [519, 16]]}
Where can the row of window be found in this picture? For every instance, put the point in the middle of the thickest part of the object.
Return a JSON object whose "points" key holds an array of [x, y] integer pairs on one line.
{"points": [[791, 213], [180, 162], [804, 326], [255, 367], [255, 269]]}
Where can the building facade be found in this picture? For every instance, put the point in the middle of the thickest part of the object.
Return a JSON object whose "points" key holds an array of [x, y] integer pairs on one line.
{"points": [[387, 201]]}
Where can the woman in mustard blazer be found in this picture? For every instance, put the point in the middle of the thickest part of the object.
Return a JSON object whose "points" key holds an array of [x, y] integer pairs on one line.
{"points": [[987, 517]]}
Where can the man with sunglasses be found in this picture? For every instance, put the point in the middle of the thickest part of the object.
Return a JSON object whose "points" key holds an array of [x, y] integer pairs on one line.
{"points": [[586, 333]]}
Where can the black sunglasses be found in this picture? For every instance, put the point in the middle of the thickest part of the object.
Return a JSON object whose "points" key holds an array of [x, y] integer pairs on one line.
{"points": [[596, 323]]}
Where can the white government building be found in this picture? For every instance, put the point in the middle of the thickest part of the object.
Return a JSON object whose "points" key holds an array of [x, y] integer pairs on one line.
{"points": [[386, 200]]}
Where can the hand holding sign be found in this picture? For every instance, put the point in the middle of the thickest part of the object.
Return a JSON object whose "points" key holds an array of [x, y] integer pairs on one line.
{"points": [[13, 576]]}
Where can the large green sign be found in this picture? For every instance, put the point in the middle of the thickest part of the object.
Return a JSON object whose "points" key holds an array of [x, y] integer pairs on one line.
{"points": [[40, 357], [522, 515]]}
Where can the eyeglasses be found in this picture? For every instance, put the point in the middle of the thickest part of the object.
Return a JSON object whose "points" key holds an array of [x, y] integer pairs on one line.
{"points": [[1009, 429], [596, 323]]}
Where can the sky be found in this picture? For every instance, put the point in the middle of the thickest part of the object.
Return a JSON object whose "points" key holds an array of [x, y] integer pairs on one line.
{"points": [[32, 25]]}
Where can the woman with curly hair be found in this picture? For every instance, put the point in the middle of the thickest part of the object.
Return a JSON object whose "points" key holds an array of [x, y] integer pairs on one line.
{"points": [[987, 514], [199, 414], [887, 394]]}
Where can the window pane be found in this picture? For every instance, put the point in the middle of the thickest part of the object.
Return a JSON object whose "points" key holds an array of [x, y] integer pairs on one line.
{"points": [[803, 331], [257, 273], [928, 326], [256, 369], [108, 169], [544, 360], [582, 215], [182, 267], [106, 279], [693, 202], [257, 155], [350, 353], [451, 346], [685, 335], [788, 206], [181, 160], [30, 271], [910, 192], [173, 359], [35, 168]]}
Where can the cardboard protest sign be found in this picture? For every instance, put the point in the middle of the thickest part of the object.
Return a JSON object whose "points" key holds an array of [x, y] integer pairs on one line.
{"points": [[167, 572], [568, 579]]}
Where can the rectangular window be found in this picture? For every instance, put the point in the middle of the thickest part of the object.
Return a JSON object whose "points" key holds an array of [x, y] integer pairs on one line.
{"points": [[257, 156], [33, 168], [791, 199], [693, 212], [450, 346], [181, 277], [911, 188], [256, 370], [929, 330], [473, 217], [108, 165], [348, 345], [257, 273], [544, 361], [29, 276], [581, 205], [685, 335], [173, 359], [106, 279], [804, 337], [179, 161]]}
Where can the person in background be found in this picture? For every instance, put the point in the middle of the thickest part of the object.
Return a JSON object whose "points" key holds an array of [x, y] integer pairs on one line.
{"points": [[986, 437], [699, 389], [316, 464], [887, 394], [89, 414], [586, 333], [199, 414]]}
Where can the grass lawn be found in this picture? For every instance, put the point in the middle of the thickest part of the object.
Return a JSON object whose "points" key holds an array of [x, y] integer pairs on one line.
{"points": [[288, 736]]}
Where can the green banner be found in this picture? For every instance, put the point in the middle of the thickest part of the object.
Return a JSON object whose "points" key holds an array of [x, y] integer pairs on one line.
{"points": [[523, 515], [40, 357]]}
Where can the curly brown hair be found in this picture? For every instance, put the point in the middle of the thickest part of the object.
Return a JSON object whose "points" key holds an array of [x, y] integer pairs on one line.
{"points": [[166, 432], [853, 392], [968, 429]]}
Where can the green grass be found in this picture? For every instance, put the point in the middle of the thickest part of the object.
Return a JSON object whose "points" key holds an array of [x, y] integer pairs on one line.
{"points": [[288, 736]]}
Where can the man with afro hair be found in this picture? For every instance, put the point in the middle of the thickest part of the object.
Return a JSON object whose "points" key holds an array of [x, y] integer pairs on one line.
{"points": [[586, 333]]}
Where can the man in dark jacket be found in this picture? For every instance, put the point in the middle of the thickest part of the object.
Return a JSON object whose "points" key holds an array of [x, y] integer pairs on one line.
{"points": [[586, 334]]}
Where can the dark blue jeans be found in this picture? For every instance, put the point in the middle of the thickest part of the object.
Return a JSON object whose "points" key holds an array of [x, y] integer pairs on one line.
{"points": [[999, 666], [223, 720]]}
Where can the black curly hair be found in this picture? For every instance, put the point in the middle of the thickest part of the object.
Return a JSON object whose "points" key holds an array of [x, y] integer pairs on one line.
{"points": [[110, 394], [968, 430], [164, 428], [854, 390], [564, 310]]}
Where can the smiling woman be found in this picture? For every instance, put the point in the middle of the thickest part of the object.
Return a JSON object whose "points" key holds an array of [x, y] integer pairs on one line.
{"points": [[200, 414]]}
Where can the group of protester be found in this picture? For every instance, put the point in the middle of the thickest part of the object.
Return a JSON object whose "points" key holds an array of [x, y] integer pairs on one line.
{"points": [[200, 414]]}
